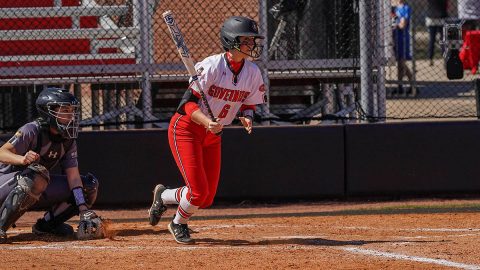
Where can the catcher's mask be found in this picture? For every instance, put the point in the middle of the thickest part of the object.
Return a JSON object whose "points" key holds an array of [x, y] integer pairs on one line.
{"points": [[235, 27], [61, 110]]}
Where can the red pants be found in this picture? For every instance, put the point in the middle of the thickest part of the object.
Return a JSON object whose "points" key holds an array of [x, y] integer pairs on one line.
{"points": [[197, 154]]}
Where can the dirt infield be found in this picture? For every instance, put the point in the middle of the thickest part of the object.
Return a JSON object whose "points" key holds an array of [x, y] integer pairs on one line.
{"points": [[433, 234]]}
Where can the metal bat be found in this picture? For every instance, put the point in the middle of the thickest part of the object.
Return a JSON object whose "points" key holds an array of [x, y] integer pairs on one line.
{"points": [[185, 55]]}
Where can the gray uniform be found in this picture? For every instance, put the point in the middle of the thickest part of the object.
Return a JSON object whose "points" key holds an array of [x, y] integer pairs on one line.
{"points": [[52, 152]]}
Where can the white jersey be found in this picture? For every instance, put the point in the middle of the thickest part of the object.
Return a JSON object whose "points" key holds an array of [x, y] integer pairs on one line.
{"points": [[226, 92]]}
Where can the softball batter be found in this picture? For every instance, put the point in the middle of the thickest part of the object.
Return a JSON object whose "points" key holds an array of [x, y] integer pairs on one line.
{"points": [[232, 84]]}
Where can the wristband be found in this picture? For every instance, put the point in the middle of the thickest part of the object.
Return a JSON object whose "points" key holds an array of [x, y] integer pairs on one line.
{"points": [[78, 195]]}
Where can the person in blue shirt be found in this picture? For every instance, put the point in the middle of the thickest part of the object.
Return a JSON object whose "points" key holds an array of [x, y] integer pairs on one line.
{"points": [[401, 37]]}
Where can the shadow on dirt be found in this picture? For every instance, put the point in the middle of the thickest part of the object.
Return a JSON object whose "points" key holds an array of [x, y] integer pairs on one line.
{"points": [[298, 241]]}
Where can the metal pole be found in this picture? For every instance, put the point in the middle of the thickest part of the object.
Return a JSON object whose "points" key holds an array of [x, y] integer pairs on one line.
{"points": [[381, 94], [110, 103], [141, 20], [264, 57], [150, 12], [146, 99], [383, 23], [414, 63], [477, 97], [77, 92], [366, 66], [130, 104], [10, 107], [95, 103], [328, 91]]}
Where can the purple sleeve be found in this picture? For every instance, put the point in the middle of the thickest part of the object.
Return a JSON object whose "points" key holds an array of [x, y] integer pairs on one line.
{"points": [[69, 160], [25, 138]]}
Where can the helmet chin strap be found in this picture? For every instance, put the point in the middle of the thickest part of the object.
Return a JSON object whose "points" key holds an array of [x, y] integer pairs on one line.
{"points": [[250, 55]]}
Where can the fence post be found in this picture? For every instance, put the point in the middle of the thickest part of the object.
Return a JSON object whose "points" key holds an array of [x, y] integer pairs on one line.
{"points": [[366, 64], [263, 29], [77, 92], [383, 23], [95, 90], [477, 97], [142, 20]]}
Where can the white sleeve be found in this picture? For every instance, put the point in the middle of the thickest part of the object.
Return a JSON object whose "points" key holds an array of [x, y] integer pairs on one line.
{"points": [[206, 76], [258, 94]]}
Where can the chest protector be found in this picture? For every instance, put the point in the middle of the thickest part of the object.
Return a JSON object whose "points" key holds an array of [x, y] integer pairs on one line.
{"points": [[51, 148]]}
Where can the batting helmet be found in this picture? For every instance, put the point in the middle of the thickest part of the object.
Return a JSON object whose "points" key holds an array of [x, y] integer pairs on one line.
{"points": [[60, 109], [237, 26]]}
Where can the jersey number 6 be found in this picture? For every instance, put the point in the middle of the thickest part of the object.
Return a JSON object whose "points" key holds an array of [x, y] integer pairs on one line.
{"points": [[224, 111]]}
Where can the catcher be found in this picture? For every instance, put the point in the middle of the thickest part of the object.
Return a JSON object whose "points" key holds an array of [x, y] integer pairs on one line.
{"points": [[25, 164]]}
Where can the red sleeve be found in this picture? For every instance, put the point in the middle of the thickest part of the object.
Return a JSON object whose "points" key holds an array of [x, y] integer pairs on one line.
{"points": [[247, 107], [190, 107]]}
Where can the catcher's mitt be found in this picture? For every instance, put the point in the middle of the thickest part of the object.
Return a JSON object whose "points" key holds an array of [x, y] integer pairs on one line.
{"points": [[90, 226]]}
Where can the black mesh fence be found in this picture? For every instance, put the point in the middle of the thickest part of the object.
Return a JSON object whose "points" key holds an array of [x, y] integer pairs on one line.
{"points": [[330, 61]]}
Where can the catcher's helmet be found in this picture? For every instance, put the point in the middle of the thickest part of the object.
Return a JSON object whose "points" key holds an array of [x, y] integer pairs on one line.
{"points": [[237, 26], [60, 109]]}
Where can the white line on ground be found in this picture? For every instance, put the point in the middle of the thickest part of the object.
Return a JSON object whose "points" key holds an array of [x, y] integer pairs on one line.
{"points": [[411, 258], [64, 247], [294, 237], [443, 230], [223, 226], [15, 231], [402, 243], [414, 229], [180, 248], [415, 237], [439, 236]]}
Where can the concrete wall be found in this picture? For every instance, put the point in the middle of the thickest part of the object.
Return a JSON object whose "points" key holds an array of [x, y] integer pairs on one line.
{"points": [[413, 158], [309, 162], [273, 163]]}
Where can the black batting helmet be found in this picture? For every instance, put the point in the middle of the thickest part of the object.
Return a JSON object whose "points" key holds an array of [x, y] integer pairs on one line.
{"points": [[237, 26], [51, 104]]}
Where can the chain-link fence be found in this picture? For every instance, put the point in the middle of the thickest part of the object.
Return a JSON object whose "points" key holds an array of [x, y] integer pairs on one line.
{"points": [[324, 61]]}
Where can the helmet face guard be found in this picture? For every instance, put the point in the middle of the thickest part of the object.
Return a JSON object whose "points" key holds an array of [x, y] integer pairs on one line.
{"points": [[65, 118], [255, 48]]}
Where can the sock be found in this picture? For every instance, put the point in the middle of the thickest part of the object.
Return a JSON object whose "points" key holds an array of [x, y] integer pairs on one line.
{"points": [[172, 196], [47, 216], [185, 210]]}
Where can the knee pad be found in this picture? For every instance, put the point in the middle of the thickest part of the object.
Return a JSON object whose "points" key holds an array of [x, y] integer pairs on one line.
{"points": [[90, 187], [25, 194], [35, 170]]}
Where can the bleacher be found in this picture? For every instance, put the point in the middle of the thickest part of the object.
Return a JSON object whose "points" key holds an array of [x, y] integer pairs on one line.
{"points": [[63, 33], [45, 39]]}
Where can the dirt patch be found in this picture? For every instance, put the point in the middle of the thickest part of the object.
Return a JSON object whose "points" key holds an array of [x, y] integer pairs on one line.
{"points": [[430, 234]]}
